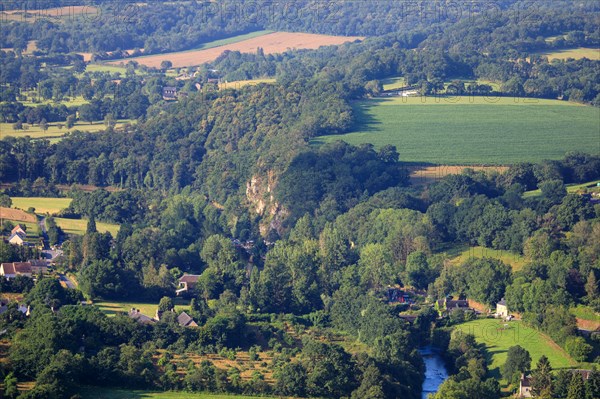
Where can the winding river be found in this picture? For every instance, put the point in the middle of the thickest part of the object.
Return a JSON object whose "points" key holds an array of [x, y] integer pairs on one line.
{"points": [[435, 370]]}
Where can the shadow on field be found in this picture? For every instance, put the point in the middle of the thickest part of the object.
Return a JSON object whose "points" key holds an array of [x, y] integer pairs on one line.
{"points": [[363, 117]]}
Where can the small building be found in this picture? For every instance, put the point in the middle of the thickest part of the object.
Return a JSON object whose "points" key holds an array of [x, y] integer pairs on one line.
{"points": [[502, 309], [525, 387], [19, 229], [185, 320], [449, 305], [169, 93], [14, 269], [187, 284], [136, 315], [17, 239]]}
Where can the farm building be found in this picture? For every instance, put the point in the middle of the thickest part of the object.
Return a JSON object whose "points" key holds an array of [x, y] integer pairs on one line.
{"points": [[185, 320], [18, 229], [502, 309], [17, 239], [187, 283], [12, 270], [169, 93], [449, 305], [525, 382], [136, 315]]}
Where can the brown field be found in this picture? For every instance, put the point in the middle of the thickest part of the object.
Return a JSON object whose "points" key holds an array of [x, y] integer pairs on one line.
{"points": [[421, 175], [17, 214], [277, 42], [56, 12]]}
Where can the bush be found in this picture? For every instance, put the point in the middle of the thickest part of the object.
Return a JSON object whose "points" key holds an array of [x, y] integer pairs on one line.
{"points": [[578, 348]]}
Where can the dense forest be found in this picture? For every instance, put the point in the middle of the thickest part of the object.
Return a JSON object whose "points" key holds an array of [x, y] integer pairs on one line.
{"points": [[297, 247]]}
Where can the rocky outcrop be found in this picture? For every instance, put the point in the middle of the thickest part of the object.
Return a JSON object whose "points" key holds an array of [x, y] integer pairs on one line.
{"points": [[259, 193]]}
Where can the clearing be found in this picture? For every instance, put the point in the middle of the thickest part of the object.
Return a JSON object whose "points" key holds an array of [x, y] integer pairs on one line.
{"points": [[474, 130], [106, 393], [79, 226], [423, 175], [149, 309], [576, 53], [276, 42], [592, 186], [41, 204], [238, 84], [54, 131], [497, 338], [461, 253]]}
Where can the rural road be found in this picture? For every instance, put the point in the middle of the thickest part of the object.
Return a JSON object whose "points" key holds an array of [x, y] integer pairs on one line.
{"points": [[43, 232]]}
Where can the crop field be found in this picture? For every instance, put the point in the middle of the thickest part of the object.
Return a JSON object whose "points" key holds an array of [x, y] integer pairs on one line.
{"points": [[576, 53], [474, 130], [54, 14], [276, 42], [41, 204], [54, 131], [149, 309], [497, 337], [17, 214], [426, 174], [103, 393], [464, 252], [78, 226]]}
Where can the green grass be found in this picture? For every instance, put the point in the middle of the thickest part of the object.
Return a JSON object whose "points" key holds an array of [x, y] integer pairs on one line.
{"points": [[576, 53], [41, 205], [6, 129], [33, 229], [149, 309], [571, 188], [107, 68], [497, 340], [69, 102], [107, 393], [461, 253], [393, 83], [238, 84], [78, 226], [585, 313], [473, 131]]}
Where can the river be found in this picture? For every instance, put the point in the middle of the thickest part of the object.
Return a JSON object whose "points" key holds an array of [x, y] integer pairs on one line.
{"points": [[435, 370]]}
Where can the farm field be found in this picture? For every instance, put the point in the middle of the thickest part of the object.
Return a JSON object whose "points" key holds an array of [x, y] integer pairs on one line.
{"points": [[149, 309], [426, 174], [41, 204], [78, 226], [461, 254], [276, 42], [474, 130], [33, 229], [576, 53], [54, 132], [17, 215], [55, 13], [571, 188], [497, 339], [103, 393], [238, 84]]}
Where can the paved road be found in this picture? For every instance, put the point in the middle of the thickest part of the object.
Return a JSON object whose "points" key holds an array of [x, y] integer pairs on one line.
{"points": [[66, 280], [44, 232]]}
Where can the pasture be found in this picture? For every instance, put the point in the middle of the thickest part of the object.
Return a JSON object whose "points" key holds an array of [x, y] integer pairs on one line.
{"points": [[473, 130], [79, 226], [149, 309], [576, 53], [55, 131], [571, 189], [41, 204], [497, 339], [276, 42], [238, 84], [462, 253], [107, 393]]}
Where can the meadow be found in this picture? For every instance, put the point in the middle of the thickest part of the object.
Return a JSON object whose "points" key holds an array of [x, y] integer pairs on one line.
{"points": [[571, 189], [103, 393], [41, 204], [462, 253], [149, 309], [54, 131], [474, 130], [79, 226], [497, 338], [576, 53], [238, 84]]}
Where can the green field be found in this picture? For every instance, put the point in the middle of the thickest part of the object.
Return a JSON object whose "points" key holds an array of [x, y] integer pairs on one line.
{"points": [[498, 339], [149, 309], [576, 53], [107, 68], [33, 229], [78, 226], [393, 83], [69, 102], [462, 253], [585, 313], [104, 393], [472, 130], [238, 84], [571, 188], [41, 205], [35, 132]]}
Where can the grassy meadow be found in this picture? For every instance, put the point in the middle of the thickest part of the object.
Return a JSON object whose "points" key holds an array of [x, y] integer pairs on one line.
{"points": [[571, 189], [78, 226], [576, 53], [474, 130], [104, 393], [41, 204], [53, 131], [464, 252], [238, 84], [497, 339], [585, 313], [149, 309]]}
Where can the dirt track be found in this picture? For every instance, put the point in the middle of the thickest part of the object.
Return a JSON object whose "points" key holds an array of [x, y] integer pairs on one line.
{"points": [[271, 43]]}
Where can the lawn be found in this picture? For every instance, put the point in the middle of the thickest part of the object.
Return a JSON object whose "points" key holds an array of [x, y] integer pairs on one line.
{"points": [[471, 130], [464, 252], [576, 53], [36, 132], [149, 309], [498, 339], [78, 226], [104, 393], [41, 205]]}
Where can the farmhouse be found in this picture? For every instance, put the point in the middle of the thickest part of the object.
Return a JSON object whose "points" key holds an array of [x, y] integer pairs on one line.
{"points": [[187, 283], [136, 315], [17, 239], [18, 229], [449, 305], [185, 320], [12, 270], [502, 309], [169, 93], [525, 382]]}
